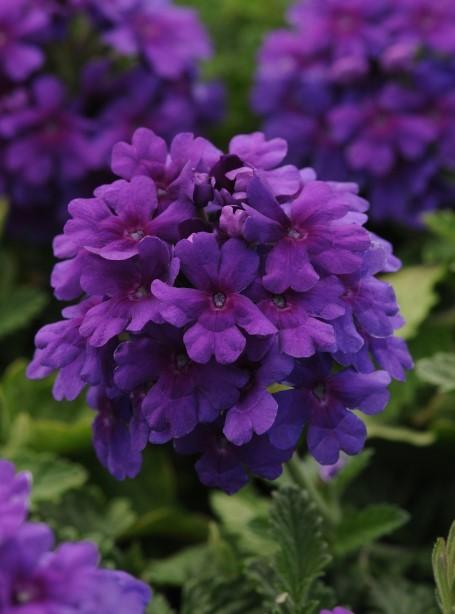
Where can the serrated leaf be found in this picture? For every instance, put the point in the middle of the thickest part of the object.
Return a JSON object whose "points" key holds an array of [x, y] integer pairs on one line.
{"points": [[216, 595], [359, 528], [52, 476], [414, 287], [286, 580], [438, 370]]}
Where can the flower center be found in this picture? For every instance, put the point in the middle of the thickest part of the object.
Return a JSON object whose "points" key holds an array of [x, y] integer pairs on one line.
{"points": [[279, 300], [139, 293], [219, 300], [181, 361], [136, 235]]}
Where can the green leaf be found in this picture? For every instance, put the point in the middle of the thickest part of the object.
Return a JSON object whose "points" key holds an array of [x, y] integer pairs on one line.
{"points": [[442, 223], [86, 514], [393, 595], [215, 595], [159, 605], [32, 418], [171, 522], [438, 370], [178, 568], [52, 476], [414, 287], [399, 434], [240, 515], [18, 307], [288, 577], [443, 560], [359, 528]]}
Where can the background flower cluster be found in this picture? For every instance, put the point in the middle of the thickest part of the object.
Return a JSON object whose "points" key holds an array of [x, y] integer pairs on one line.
{"points": [[206, 279], [75, 78], [35, 577], [366, 92]]}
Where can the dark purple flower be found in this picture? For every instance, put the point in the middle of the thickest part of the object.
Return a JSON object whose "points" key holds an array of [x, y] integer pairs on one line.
{"points": [[21, 22], [226, 466], [300, 317], [205, 279], [170, 38], [177, 392], [125, 285], [120, 433], [14, 497], [312, 233], [337, 610], [49, 137], [220, 316], [60, 346], [114, 223], [255, 412], [363, 92], [35, 578], [329, 397]]}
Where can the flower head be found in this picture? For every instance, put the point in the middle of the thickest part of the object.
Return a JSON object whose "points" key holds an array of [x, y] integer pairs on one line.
{"points": [[206, 278], [37, 577], [363, 91]]}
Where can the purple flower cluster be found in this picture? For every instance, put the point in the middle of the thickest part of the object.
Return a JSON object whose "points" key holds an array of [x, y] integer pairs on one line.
{"points": [[338, 610], [35, 578], [365, 92], [204, 279], [77, 77]]}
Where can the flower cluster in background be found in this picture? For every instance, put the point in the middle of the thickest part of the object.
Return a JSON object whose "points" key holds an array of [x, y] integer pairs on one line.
{"points": [[365, 91], [77, 77], [206, 278], [35, 577]]}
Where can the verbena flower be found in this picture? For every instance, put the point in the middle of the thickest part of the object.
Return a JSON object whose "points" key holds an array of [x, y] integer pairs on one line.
{"points": [[36, 576], [204, 279], [365, 91], [337, 610], [80, 76]]}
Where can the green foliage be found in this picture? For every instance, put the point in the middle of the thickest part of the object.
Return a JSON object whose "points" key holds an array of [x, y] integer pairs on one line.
{"points": [[52, 476], [19, 304], [287, 579], [392, 595], [30, 417], [362, 527], [438, 370], [415, 290], [443, 560]]}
